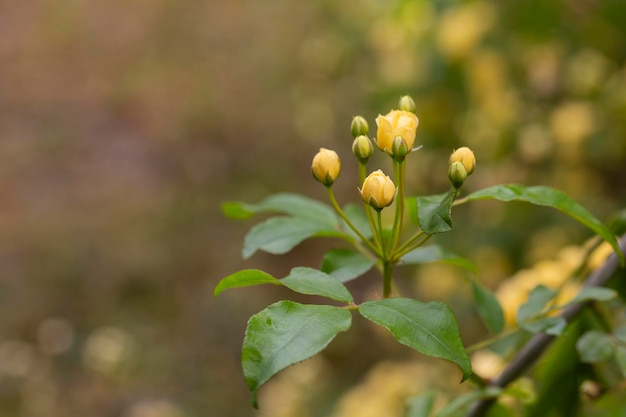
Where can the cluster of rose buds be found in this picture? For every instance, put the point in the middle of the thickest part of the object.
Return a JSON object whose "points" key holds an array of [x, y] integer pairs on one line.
{"points": [[395, 136]]}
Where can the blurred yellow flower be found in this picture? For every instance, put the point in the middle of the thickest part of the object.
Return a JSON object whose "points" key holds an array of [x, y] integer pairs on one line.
{"points": [[461, 28], [571, 123], [396, 123]]}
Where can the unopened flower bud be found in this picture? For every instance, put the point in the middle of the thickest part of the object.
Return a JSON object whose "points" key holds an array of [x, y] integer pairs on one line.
{"points": [[457, 174], [396, 123], [399, 149], [359, 126], [378, 190], [407, 104], [326, 166], [465, 156], [362, 148]]}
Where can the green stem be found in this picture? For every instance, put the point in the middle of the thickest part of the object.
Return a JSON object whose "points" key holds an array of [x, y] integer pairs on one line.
{"points": [[408, 248], [367, 208], [379, 232], [398, 170], [387, 272], [410, 241], [339, 211]]}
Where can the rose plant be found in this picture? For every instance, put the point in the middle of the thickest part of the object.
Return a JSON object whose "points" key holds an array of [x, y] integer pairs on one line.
{"points": [[288, 332]]}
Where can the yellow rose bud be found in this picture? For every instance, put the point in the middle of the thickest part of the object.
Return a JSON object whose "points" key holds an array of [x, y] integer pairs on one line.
{"points": [[359, 126], [378, 190], [407, 103], [465, 156], [326, 166], [362, 148], [396, 123], [457, 174]]}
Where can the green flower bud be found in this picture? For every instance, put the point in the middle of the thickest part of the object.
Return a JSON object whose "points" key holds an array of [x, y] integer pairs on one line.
{"points": [[326, 166], [399, 149], [457, 174], [359, 126], [362, 148], [407, 104]]}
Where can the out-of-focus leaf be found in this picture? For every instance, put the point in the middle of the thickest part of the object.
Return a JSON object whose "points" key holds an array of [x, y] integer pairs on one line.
{"points": [[529, 314], [435, 253], [488, 307], [549, 325], [595, 294], [285, 203], [550, 197], [313, 282], [620, 358], [461, 404], [244, 278], [537, 301], [434, 212], [286, 333], [278, 235], [430, 328], [421, 405], [346, 264], [411, 204], [620, 334], [594, 346]]}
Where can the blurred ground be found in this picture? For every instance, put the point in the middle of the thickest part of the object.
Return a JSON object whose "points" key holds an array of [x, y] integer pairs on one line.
{"points": [[124, 124]]}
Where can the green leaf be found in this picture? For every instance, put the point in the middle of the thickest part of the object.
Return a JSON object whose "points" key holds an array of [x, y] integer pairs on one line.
{"points": [[538, 298], [488, 307], [346, 264], [434, 212], [420, 405], [435, 253], [285, 203], [595, 294], [313, 282], [594, 346], [279, 235], [430, 328], [286, 333], [550, 197], [244, 278], [529, 314]]}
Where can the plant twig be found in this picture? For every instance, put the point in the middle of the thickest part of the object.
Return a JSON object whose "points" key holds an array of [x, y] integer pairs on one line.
{"points": [[534, 348]]}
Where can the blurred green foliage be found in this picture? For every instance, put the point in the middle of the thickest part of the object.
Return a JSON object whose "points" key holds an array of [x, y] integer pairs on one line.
{"points": [[124, 124]]}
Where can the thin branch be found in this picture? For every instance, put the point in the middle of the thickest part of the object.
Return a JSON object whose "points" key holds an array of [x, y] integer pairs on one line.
{"points": [[534, 348]]}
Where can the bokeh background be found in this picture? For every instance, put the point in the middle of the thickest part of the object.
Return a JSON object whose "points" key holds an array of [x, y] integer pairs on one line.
{"points": [[125, 124]]}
